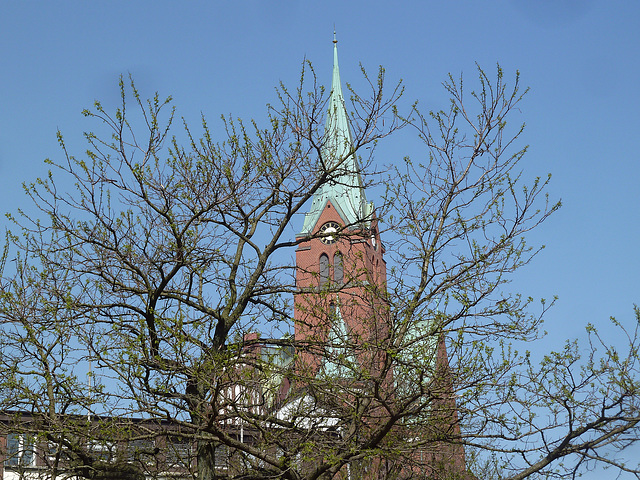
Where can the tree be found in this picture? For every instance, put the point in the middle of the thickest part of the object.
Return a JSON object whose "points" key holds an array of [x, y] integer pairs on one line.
{"points": [[160, 263]]}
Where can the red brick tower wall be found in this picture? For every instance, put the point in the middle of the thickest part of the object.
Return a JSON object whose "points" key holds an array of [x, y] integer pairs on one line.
{"points": [[359, 297]]}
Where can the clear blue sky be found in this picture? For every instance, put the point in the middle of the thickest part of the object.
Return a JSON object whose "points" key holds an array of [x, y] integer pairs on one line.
{"points": [[581, 59]]}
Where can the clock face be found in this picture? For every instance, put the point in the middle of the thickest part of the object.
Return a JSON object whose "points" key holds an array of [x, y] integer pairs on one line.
{"points": [[327, 230]]}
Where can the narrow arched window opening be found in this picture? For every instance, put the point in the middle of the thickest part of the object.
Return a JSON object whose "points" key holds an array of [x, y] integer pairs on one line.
{"points": [[338, 269], [324, 269], [332, 312]]}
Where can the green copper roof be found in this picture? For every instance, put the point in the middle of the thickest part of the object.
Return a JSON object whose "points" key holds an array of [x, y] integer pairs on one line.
{"points": [[345, 191], [339, 360]]}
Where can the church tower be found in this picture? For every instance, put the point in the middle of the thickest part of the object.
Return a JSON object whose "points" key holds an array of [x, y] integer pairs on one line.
{"points": [[341, 312], [341, 272]]}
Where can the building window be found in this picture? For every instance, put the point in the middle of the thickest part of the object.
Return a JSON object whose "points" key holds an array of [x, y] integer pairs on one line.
{"points": [[178, 453], [338, 269], [103, 451], [324, 269], [333, 313], [20, 450], [221, 456], [142, 450]]}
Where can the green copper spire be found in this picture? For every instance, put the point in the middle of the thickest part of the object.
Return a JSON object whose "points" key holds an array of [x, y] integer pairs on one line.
{"points": [[345, 191]]}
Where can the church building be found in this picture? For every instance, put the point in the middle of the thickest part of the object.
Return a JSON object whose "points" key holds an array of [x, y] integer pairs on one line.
{"points": [[342, 318]]}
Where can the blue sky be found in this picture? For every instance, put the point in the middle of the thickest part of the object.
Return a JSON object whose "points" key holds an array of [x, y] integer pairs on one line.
{"points": [[580, 58]]}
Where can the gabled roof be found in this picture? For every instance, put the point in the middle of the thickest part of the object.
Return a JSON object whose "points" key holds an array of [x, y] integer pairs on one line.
{"points": [[339, 360], [345, 190]]}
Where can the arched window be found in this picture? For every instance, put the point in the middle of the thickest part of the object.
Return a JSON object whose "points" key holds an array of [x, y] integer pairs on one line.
{"points": [[374, 240], [338, 269], [324, 269]]}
